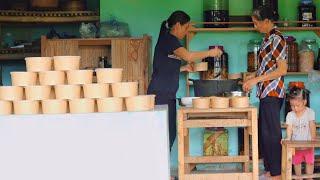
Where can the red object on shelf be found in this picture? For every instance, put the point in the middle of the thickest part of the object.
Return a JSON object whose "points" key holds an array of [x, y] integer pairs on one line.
{"points": [[298, 84]]}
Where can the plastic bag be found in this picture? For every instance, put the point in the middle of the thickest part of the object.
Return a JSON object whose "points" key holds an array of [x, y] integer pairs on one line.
{"points": [[114, 28], [87, 30]]}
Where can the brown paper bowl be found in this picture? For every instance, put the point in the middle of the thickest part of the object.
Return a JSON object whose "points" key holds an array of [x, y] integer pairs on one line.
{"points": [[96, 90], [11, 93], [109, 75], [82, 105], [54, 106], [124, 89], [6, 107], [239, 102], [66, 63], [80, 76], [111, 104], [24, 78], [38, 92], [37, 64], [26, 107], [140, 103], [67, 91], [201, 103], [219, 102], [52, 78]]}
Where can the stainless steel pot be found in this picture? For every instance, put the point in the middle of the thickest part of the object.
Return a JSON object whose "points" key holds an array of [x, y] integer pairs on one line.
{"points": [[236, 93]]}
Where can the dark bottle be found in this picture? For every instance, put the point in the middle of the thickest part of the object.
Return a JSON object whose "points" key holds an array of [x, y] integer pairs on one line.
{"points": [[1, 83], [216, 11], [224, 65], [307, 12]]}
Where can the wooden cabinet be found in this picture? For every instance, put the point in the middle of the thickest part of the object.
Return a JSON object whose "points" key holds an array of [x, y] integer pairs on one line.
{"points": [[131, 54]]}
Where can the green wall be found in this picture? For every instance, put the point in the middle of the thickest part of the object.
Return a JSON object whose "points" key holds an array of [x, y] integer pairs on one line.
{"points": [[145, 17]]}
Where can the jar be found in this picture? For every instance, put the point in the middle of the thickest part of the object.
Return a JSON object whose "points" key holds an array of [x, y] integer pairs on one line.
{"points": [[307, 12], [253, 53], [216, 11], [217, 66], [307, 55], [292, 54]]}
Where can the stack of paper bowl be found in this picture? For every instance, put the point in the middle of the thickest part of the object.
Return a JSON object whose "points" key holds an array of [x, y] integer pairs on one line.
{"points": [[125, 89], [82, 105], [37, 64], [109, 75], [52, 78], [54, 106], [24, 78], [140, 103], [96, 90], [110, 104], [79, 76], [67, 91], [26, 107], [66, 63]]}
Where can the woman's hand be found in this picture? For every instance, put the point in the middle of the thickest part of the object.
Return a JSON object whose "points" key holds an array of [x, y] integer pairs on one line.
{"points": [[248, 85], [187, 68], [216, 52]]}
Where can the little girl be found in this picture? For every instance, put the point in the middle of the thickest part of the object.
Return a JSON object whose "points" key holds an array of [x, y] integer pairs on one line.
{"points": [[301, 127]]}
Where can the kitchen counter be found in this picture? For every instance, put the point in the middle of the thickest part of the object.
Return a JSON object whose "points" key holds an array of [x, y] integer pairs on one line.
{"points": [[97, 146]]}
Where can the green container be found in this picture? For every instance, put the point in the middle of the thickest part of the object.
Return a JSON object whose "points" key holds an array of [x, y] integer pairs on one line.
{"points": [[215, 5]]}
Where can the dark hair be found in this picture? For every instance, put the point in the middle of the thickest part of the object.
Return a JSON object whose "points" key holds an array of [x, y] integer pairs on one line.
{"points": [[265, 12], [175, 17], [297, 93]]}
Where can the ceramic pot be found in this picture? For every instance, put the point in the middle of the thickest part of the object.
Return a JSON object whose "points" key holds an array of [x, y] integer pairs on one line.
{"points": [[80, 76], [51, 78], [124, 89], [239, 102], [96, 90], [66, 63], [203, 66], [109, 75], [6, 107], [11, 93], [81, 105], [24, 78], [140, 103], [111, 104], [26, 107], [38, 92], [37, 64], [201, 103], [219, 102], [54, 106], [67, 91]]}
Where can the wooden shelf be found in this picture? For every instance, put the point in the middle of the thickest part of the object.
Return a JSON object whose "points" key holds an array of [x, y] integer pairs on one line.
{"points": [[17, 56], [8, 16]]}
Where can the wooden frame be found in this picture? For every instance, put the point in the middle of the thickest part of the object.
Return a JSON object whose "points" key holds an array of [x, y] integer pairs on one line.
{"points": [[234, 117]]}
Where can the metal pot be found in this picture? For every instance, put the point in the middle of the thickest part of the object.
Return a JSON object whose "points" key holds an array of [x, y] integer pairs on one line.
{"points": [[206, 88], [236, 94]]}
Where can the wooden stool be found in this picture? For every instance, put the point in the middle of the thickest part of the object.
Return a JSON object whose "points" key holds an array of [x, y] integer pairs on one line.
{"points": [[230, 117], [288, 149]]}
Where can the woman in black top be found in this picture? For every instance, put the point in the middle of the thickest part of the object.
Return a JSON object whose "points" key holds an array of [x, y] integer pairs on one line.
{"points": [[167, 60]]}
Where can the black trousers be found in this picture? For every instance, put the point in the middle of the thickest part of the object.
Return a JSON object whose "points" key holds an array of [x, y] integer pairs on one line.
{"points": [[161, 100], [269, 131]]}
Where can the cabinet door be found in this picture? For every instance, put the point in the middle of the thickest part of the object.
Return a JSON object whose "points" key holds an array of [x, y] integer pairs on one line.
{"points": [[59, 47]]}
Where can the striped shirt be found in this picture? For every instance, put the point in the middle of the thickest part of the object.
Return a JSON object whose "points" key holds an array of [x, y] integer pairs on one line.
{"points": [[273, 49]]}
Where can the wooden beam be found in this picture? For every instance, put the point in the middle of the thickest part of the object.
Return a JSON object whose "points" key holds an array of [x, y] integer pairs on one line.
{"points": [[302, 144], [224, 176], [307, 176], [216, 159], [217, 123], [94, 42]]}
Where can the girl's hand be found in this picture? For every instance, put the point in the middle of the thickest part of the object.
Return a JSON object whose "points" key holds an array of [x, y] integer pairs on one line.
{"points": [[216, 52], [187, 68], [248, 85]]}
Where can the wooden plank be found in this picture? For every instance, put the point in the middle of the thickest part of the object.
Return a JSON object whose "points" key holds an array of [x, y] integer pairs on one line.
{"points": [[221, 110], [181, 145], [254, 144], [222, 176], [284, 162], [18, 56], [217, 123], [21, 19], [239, 29], [94, 42], [307, 176], [302, 144], [246, 148], [216, 159], [220, 115]]}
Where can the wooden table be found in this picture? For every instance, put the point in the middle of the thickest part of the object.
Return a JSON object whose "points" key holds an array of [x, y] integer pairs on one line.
{"points": [[288, 149], [231, 117]]}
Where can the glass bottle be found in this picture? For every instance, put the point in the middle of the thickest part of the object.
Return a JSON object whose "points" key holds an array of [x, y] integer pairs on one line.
{"points": [[307, 12], [216, 11], [253, 53]]}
